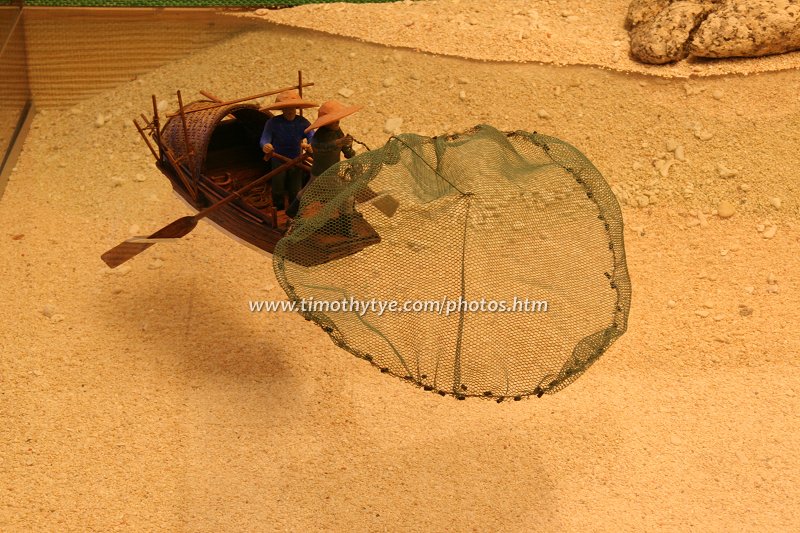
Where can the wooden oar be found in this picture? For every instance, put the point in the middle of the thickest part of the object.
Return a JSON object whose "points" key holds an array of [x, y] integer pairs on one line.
{"points": [[383, 201], [181, 227]]}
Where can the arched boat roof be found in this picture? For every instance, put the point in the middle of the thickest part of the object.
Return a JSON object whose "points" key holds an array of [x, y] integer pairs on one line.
{"points": [[200, 126]]}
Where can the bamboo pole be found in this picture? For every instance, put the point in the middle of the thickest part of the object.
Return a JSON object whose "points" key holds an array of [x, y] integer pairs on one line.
{"points": [[213, 106]]}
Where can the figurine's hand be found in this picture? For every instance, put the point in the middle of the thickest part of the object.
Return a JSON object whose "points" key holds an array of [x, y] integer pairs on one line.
{"points": [[268, 149], [305, 147], [347, 140]]}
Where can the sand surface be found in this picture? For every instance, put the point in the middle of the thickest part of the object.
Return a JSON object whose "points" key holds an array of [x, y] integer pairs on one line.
{"points": [[564, 32], [150, 398]]}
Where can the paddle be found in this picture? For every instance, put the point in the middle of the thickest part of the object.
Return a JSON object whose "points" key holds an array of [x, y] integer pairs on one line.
{"points": [[181, 227], [383, 201]]}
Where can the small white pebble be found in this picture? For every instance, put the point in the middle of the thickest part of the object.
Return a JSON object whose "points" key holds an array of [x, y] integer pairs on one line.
{"points": [[347, 93], [725, 172], [680, 153], [156, 263], [100, 120], [771, 279], [162, 105], [749, 289], [117, 181], [388, 82], [702, 313], [725, 209], [261, 12], [542, 113], [672, 303], [393, 125], [139, 177], [462, 95], [775, 202], [703, 135], [770, 232], [718, 94], [671, 145], [48, 310]]}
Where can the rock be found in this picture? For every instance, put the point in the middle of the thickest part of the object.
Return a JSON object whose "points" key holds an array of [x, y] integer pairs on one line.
{"points": [[162, 106], [48, 310], [674, 439], [662, 38], [725, 172], [663, 31], [261, 12], [155, 264], [116, 181], [703, 135], [748, 28], [680, 153], [462, 95], [745, 311], [671, 145], [725, 209], [642, 201], [388, 82], [347, 93], [770, 232], [717, 94], [775, 202], [671, 303], [542, 113], [99, 121], [771, 279], [702, 312], [393, 125], [640, 11]]}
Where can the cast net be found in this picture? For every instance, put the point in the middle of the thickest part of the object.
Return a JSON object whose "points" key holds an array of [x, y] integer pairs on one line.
{"points": [[502, 252]]}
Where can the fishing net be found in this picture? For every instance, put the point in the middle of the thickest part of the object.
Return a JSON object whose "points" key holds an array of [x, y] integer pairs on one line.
{"points": [[501, 255]]}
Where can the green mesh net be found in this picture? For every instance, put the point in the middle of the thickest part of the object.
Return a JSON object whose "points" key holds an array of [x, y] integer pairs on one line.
{"points": [[502, 252]]}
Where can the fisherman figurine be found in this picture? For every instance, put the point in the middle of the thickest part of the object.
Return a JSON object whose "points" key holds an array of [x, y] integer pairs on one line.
{"points": [[287, 134], [328, 143]]}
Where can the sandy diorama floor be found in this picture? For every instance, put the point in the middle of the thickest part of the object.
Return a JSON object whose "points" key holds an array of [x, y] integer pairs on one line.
{"points": [[151, 398]]}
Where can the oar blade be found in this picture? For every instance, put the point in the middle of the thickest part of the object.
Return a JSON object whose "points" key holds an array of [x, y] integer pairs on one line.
{"points": [[122, 252], [136, 245], [387, 205]]}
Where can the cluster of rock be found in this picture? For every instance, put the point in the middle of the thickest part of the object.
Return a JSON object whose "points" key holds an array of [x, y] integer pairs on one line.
{"points": [[664, 31]]}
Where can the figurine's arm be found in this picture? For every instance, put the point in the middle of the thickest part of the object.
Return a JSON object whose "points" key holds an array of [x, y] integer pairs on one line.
{"points": [[266, 135], [347, 146]]}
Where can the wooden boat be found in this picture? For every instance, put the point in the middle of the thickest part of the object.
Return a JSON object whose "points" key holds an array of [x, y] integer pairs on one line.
{"points": [[210, 152]]}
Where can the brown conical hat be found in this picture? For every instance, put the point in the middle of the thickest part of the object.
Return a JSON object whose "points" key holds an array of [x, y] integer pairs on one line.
{"points": [[331, 111], [290, 99]]}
